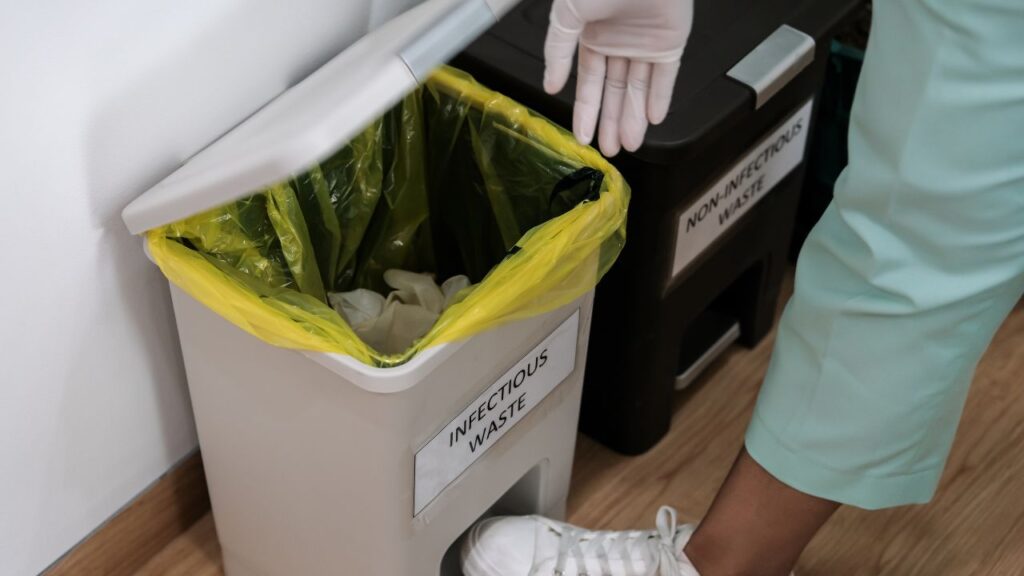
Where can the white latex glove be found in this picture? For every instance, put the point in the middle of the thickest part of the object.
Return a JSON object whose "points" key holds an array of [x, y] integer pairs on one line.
{"points": [[629, 52], [390, 325], [452, 289], [415, 289], [358, 306]]}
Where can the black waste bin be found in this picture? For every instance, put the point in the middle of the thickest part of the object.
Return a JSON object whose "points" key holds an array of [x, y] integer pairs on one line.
{"points": [[716, 188]]}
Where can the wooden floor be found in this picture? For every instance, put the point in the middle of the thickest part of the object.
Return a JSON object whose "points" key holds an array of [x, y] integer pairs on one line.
{"points": [[974, 527]]}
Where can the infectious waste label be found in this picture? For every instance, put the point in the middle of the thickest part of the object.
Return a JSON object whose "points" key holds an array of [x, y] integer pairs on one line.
{"points": [[503, 405], [742, 186]]}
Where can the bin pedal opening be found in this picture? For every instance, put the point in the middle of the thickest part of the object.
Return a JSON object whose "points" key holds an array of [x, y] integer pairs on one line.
{"points": [[711, 334], [522, 499]]}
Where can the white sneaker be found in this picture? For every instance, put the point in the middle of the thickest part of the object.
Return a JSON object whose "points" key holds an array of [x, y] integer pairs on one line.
{"points": [[536, 546]]}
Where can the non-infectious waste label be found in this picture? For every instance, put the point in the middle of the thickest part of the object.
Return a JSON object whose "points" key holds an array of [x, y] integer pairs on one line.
{"points": [[749, 180], [495, 412]]}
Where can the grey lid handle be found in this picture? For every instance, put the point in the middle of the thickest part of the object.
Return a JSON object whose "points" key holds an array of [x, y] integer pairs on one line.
{"points": [[774, 62], [446, 37]]}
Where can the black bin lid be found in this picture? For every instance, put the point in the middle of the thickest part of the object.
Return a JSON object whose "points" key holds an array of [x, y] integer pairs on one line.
{"points": [[705, 99]]}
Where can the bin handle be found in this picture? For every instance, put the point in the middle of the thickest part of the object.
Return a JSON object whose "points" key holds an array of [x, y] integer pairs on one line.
{"points": [[774, 62]]}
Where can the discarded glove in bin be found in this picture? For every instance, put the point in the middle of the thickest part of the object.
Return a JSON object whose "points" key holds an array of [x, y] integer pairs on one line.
{"points": [[390, 325], [455, 180]]}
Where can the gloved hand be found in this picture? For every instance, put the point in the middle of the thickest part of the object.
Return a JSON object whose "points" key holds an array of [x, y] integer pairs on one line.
{"points": [[629, 51]]}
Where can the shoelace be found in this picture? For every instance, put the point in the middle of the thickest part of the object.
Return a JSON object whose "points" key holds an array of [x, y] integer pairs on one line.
{"points": [[659, 549]]}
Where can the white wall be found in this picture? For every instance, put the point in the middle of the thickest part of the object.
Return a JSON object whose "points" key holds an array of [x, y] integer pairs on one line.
{"points": [[98, 101]]}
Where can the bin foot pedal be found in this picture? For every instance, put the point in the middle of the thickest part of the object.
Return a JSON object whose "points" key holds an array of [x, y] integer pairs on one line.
{"points": [[711, 334]]}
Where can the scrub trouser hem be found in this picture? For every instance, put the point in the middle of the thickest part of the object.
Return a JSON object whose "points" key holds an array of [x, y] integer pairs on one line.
{"points": [[803, 473]]}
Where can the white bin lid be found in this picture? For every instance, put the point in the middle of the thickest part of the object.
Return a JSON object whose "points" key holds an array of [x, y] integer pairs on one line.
{"points": [[313, 119]]}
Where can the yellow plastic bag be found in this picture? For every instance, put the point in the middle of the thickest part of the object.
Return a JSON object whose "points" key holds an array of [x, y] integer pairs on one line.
{"points": [[455, 180]]}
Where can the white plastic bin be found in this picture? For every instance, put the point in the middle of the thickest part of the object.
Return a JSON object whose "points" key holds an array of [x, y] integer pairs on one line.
{"points": [[317, 463]]}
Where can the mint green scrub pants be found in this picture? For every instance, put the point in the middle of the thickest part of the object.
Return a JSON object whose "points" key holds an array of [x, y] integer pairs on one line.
{"points": [[919, 259]]}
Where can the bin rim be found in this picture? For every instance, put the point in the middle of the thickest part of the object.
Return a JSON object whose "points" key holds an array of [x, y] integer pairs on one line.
{"points": [[385, 380]]}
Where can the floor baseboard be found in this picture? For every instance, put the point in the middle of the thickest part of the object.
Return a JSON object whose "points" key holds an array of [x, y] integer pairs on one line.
{"points": [[123, 544]]}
